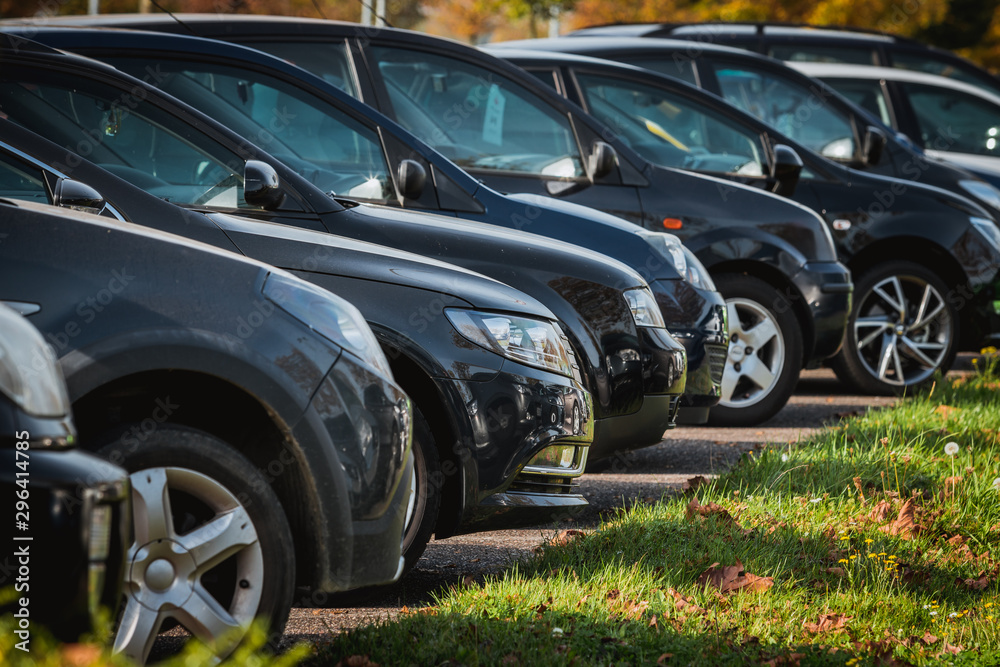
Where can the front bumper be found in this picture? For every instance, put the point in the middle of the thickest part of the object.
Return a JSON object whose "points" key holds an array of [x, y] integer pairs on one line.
{"points": [[508, 421], [80, 525], [697, 320], [642, 429], [826, 290], [357, 439]]}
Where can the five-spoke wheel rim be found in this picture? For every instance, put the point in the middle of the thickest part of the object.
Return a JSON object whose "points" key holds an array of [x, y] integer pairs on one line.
{"points": [[756, 354], [902, 331], [163, 579]]}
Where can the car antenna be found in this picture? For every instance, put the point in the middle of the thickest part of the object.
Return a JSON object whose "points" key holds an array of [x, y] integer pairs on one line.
{"points": [[170, 14], [367, 6]]}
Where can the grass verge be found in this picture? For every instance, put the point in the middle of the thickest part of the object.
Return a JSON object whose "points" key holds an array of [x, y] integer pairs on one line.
{"points": [[872, 543]]}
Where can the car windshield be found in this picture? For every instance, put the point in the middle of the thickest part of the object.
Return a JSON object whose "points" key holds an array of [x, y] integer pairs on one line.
{"points": [[318, 140], [669, 130], [119, 131]]}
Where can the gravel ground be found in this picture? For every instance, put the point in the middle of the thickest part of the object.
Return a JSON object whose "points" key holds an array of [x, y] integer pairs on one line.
{"points": [[644, 475]]}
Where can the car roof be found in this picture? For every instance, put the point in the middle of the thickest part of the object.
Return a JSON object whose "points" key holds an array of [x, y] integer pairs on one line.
{"points": [[776, 29], [599, 45], [841, 70]]}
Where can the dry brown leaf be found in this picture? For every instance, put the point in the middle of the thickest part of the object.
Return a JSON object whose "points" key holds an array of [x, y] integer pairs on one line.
{"points": [[731, 578], [583, 600], [696, 509], [683, 603], [947, 411], [828, 622], [635, 609], [980, 583], [881, 511], [838, 571], [928, 638], [954, 649], [693, 483], [956, 540], [904, 526], [564, 537], [861, 490], [356, 661], [664, 659], [613, 594]]}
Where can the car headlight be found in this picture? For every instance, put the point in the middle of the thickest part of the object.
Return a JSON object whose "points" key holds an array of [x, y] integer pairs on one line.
{"points": [[697, 274], [670, 248], [529, 341], [645, 310], [29, 373], [982, 191], [328, 315], [987, 228]]}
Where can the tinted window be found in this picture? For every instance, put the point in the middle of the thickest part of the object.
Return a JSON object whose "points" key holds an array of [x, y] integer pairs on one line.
{"points": [[823, 54], [117, 130], [324, 59], [929, 62], [680, 66], [866, 93], [951, 120], [670, 130], [479, 119], [18, 180], [308, 134], [790, 107]]}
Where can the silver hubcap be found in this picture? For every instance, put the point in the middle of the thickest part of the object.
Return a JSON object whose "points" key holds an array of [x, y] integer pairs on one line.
{"points": [[756, 354], [163, 579], [903, 330]]}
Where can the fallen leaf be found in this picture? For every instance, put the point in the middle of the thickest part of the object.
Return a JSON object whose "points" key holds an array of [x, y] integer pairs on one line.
{"points": [[683, 603], [881, 511], [904, 526], [693, 483], [696, 509], [838, 571], [733, 578], [357, 661], [951, 486], [565, 537], [947, 411], [613, 594], [954, 649], [540, 609], [652, 622], [827, 622], [956, 540], [664, 659], [978, 584], [469, 580], [583, 600], [928, 638]]}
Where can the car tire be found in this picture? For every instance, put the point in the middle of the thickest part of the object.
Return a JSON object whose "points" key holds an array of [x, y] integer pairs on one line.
{"points": [[891, 350], [422, 514], [212, 549], [765, 352]]}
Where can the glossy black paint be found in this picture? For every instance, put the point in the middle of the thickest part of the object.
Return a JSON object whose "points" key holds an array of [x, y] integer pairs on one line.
{"points": [[64, 488], [453, 192], [730, 228], [137, 316], [900, 158], [888, 218]]}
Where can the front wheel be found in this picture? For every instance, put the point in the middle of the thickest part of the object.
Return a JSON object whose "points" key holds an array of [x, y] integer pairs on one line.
{"points": [[765, 352], [212, 548], [901, 331]]}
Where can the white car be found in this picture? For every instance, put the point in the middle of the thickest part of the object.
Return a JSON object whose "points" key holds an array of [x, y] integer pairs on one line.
{"points": [[949, 119]]}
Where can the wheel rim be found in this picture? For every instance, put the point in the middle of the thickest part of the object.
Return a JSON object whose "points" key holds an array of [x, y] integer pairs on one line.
{"points": [[418, 499], [164, 577], [756, 354], [902, 331]]}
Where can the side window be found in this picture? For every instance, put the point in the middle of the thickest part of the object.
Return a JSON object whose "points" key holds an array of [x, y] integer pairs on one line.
{"points": [[679, 66], [118, 131], [313, 137], [928, 62], [823, 54], [476, 117], [866, 93], [789, 107], [21, 181], [951, 120], [670, 130], [546, 76], [328, 60]]}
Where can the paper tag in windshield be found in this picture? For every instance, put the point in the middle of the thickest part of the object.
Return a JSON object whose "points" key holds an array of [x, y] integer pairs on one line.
{"points": [[493, 123]]}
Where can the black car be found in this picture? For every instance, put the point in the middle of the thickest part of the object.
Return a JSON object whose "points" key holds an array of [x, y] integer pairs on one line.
{"points": [[508, 129], [892, 234], [806, 43], [389, 166], [265, 452], [796, 105], [68, 511], [629, 362]]}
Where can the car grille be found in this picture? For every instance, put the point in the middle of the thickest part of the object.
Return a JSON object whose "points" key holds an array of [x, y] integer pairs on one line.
{"points": [[716, 361], [544, 484]]}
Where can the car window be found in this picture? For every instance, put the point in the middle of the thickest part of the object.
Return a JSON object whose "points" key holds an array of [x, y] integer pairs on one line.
{"points": [[308, 134], [788, 106], [117, 130], [670, 130], [866, 93], [929, 63], [952, 120], [328, 60], [823, 54], [680, 66], [479, 119], [21, 181]]}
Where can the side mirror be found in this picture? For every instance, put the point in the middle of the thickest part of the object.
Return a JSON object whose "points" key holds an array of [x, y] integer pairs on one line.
{"points": [[261, 185], [411, 177], [602, 160], [786, 170], [78, 196], [875, 141]]}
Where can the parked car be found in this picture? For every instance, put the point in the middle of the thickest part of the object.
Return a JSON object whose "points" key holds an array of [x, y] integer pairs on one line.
{"points": [[266, 442], [949, 119], [629, 361], [796, 105], [754, 245], [68, 511], [892, 234], [808, 43]]}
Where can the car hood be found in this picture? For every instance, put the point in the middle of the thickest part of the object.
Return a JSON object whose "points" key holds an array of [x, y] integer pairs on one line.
{"points": [[297, 249]]}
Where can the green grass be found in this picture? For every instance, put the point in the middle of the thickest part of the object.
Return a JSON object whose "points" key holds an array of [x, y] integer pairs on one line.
{"points": [[800, 517]]}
